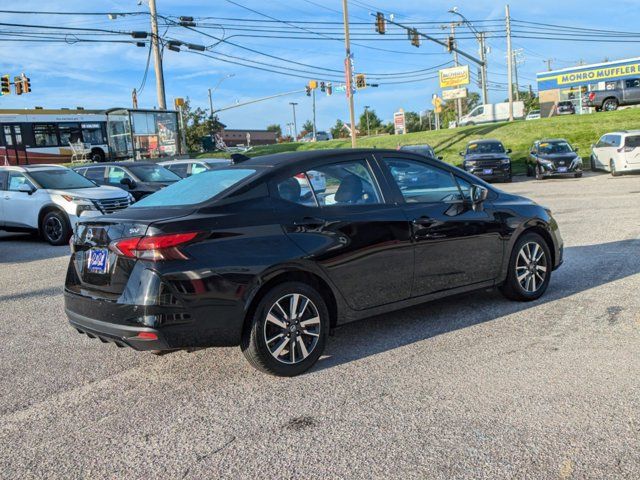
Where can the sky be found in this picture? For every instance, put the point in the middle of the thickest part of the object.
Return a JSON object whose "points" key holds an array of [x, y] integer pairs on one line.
{"points": [[102, 75]]}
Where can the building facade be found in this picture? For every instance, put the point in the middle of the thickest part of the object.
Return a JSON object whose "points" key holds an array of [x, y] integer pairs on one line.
{"points": [[569, 84], [233, 138]]}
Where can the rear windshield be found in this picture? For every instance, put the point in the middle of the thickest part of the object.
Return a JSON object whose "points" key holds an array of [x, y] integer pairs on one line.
{"points": [[195, 189], [485, 147], [61, 178], [633, 142], [153, 173]]}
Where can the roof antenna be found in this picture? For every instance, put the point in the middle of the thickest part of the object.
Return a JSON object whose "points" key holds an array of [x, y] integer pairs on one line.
{"points": [[239, 158]]}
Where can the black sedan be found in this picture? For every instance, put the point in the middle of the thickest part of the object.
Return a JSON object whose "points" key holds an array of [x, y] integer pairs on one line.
{"points": [[252, 254], [553, 157], [487, 159], [138, 178]]}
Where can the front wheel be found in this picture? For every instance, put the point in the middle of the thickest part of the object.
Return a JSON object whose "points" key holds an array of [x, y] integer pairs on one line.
{"points": [[529, 269], [55, 228], [577, 174], [539, 174], [612, 167], [288, 331]]}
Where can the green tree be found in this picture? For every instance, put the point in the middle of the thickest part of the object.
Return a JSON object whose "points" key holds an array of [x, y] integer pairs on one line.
{"points": [[530, 100], [198, 124], [412, 122], [307, 127], [375, 123], [275, 127], [338, 130]]}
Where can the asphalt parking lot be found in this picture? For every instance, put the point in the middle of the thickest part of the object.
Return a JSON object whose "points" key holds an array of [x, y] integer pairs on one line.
{"points": [[470, 387]]}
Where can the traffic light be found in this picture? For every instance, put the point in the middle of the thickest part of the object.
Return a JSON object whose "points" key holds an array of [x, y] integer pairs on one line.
{"points": [[5, 85], [17, 84], [313, 84], [26, 84], [307, 89], [381, 24], [329, 88], [414, 36], [323, 87], [450, 44], [361, 81]]}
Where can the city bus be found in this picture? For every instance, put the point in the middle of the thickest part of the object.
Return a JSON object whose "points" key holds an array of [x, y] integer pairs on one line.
{"points": [[44, 136]]}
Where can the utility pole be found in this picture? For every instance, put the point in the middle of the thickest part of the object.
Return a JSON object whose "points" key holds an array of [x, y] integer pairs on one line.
{"points": [[157, 56], [347, 71], [453, 26], [366, 112], [313, 93], [509, 61], [548, 62], [483, 67], [295, 124]]}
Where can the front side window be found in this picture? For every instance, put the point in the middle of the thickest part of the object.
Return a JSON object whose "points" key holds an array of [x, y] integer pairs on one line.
{"points": [[45, 135], [153, 173], [347, 183], [196, 188], [95, 173], [179, 169], [615, 140], [197, 168], [422, 183], [116, 175]]}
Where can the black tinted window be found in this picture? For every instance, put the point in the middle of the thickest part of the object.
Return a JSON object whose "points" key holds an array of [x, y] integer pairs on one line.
{"points": [[632, 142], [296, 189], [95, 173], [485, 147], [422, 183], [179, 169]]}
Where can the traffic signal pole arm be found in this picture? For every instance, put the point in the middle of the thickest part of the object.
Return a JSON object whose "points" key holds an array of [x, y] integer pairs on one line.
{"points": [[428, 37], [258, 100]]}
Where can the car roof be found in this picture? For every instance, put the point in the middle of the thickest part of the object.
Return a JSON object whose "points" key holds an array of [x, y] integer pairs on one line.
{"points": [[552, 140], [485, 140], [116, 164], [31, 168], [420, 145]]}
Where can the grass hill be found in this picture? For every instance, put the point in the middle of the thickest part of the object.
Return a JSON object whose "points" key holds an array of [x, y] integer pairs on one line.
{"points": [[580, 130]]}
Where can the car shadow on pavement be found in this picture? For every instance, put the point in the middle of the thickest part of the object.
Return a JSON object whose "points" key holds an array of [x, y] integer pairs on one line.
{"points": [[21, 247], [585, 267]]}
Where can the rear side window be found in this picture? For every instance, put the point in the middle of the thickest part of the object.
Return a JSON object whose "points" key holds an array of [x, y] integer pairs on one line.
{"points": [[632, 142], [297, 189], [196, 188], [346, 183], [422, 183]]}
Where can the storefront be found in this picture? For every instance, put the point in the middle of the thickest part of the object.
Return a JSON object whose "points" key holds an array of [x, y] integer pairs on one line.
{"points": [[569, 84], [143, 134]]}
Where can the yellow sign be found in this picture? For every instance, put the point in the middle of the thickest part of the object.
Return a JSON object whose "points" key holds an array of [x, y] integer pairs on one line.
{"points": [[454, 76], [178, 102], [594, 74], [436, 101]]}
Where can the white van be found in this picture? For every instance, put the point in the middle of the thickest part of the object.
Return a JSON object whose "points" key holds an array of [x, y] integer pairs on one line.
{"points": [[617, 152], [492, 112]]}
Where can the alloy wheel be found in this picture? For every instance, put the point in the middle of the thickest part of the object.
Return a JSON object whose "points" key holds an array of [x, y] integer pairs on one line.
{"points": [[53, 228], [531, 267], [292, 328]]}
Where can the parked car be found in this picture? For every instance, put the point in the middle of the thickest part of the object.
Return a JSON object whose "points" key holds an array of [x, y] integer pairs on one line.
{"points": [[321, 136], [553, 157], [186, 168], [617, 93], [491, 113], [565, 108], [533, 115], [49, 199], [138, 178], [238, 255], [487, 159], [426, 150], [617, 152]]}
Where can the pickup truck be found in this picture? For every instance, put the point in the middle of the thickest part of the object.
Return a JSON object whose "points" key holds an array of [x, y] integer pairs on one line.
{"points": [[618, 93]]}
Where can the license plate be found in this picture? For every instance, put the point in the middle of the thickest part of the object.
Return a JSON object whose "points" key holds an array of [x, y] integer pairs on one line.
{"points": [[98, 260], [487, 171], [562, 169]]}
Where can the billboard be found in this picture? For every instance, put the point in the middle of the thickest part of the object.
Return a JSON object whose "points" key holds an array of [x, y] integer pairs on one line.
{"points": [[589, 74], [454, 76], [454, 93], [399, 126]]}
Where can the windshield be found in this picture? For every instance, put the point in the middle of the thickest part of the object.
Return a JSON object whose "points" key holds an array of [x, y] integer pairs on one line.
{"points": [[153, 173], [549, 148], [196, 188], [60, 178], [485, 147]]}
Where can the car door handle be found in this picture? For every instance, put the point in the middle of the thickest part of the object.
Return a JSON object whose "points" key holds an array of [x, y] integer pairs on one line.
{"points": [[424, 221], [309, 222]]}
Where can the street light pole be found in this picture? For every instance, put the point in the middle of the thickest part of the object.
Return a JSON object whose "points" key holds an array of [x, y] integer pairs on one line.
{"points": [[157, 56], [348, 72], [313, 92], [295, 124], [366, 112], [509, 61]]}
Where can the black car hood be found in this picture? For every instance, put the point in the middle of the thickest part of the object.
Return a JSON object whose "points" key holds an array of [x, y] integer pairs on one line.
{"points": [[555, 157], [486, 156]]}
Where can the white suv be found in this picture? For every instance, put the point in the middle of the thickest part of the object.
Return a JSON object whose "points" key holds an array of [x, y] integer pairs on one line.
{"points": [[50, 199], [617, 152]]}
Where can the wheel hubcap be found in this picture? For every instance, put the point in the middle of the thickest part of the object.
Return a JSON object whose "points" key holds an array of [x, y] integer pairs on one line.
{"points": [[53, 228], [292, 328], [531, 267]]}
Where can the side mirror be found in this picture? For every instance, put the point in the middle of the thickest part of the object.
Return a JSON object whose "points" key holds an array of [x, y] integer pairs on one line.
{"points": [[127, 182], [592, 145], [26, 188], [509, 150], [440, 158], [461, 154], [576, 149], [478, 194], [532, 152]]}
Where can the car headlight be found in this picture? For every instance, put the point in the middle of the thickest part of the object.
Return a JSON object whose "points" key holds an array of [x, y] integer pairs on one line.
{"points": [[469, 163], [82, 204], [505, 161], [546, 163]]}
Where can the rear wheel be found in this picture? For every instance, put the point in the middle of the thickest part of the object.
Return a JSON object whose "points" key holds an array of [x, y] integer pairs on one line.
{"points": [[610, 104], [288, 331], [55, 228], [97, 155], [529, 269], [612, 167]]}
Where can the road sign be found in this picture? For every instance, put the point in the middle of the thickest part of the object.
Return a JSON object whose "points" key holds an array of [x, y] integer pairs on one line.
{"points": [[454, 76], [341, 87], [178, 102], [454, 93], [399, 124]]}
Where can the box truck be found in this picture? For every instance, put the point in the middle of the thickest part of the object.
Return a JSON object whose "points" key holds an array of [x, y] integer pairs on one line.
{"points": [[492, 112]]}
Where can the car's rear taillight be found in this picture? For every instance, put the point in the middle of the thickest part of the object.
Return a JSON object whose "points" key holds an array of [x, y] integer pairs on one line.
{"points": [[158, 247], [592, 96]]}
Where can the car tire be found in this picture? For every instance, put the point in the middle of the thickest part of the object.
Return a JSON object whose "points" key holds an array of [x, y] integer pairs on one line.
{"points": [[97, 155], [530, 172], [529, 272], [612, 168], [577, 175], [55, 228], [610, 105], [593, 164], [282, 344], [539, 175]]}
